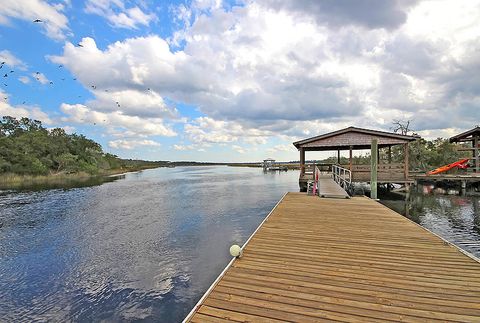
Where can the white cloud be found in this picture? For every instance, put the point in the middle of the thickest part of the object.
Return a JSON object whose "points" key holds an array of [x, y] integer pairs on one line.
{"points": [[270, 68], [40, 77], [282, 147], [207, 130], [118, 15], [24, 79], [239, 149], [116, 121], [187, 147], [19, 111], [132, 144], [11, 60], [54, 22]]}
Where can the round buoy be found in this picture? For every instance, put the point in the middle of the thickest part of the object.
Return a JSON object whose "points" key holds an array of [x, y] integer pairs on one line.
{"points": [[236, 251]]}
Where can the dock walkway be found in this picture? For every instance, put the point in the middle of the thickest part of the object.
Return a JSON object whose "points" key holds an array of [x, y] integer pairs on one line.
{"points": [[351, 260], [327, 187]]}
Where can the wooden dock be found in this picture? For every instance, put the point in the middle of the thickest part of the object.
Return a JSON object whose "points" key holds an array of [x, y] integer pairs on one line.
{"points": [[327, 187], [351, 260]]}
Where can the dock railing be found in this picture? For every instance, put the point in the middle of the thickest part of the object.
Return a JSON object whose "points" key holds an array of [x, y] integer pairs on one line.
{"points": [[342, 176]]}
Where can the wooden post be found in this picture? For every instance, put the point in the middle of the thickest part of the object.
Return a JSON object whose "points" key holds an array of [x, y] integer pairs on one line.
{"points": [[351, 159], [389, 154], [373, 169], [476, 154], [405, 153], [302, 161], [338, 156]]}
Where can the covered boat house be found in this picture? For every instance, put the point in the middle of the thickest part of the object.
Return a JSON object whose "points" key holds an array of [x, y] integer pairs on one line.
{"points": [[353, 138], [472, 136]]}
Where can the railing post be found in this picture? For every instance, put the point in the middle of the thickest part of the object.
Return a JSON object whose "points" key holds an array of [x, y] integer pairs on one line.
{"points": [[373, 169]]}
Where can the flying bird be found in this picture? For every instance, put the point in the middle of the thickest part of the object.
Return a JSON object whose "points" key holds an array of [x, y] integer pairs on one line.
{"points": [[94, 87], [12, 71], [2, 63], [37, 73], [74, 79], [5, 84], [5, 75], [37, 20], [79, 45], [63, 79], [23, 102], [51, 82], [60, 66], [1, 66]]}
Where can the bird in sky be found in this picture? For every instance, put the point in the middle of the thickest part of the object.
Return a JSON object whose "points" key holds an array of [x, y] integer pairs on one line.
{"points": [[37, 20], [37, 73], [1, 66], [51, 82], [60, 66], [6, 75], [4, 84], [79, 45], [12, 71]]}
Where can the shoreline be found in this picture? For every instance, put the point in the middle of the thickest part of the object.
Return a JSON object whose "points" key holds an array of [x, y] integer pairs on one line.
{"points": [[13, 181]]}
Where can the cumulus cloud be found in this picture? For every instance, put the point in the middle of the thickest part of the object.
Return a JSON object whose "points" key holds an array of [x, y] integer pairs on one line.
{"points": [[369, 13], [294, 68], [239, 149], [54, 22], [11, 60], [132, 144], [24, 79], [118, 15], [116, 121], [19, 111], [207, 130], [40, 77]]}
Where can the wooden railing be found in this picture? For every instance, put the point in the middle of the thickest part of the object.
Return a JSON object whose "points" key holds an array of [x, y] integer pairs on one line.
{"points": [[342, 176], [385, 172]]}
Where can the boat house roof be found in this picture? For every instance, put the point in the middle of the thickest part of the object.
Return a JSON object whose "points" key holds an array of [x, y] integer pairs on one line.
{"points": [[356, 138], [467, 135]]}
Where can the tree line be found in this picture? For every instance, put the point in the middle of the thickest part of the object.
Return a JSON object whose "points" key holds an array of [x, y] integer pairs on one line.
{"points": [[28, 148]]}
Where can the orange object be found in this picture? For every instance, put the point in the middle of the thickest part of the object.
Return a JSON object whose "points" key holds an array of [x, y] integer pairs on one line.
{"points": [[461, 163]]}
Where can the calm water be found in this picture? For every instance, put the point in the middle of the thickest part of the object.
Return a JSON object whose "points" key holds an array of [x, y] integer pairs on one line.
{"points": [[146, 247], [455, 218]]}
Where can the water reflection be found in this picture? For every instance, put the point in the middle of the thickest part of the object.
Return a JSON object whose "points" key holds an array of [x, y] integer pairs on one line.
{"points": [[142, 248], [455, 218]]}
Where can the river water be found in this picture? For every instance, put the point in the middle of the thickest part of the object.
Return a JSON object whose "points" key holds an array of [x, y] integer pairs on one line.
{"points": [[146, 247]]}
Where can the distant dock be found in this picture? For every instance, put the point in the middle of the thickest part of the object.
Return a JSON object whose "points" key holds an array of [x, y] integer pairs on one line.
{"points": [[354, 260]]}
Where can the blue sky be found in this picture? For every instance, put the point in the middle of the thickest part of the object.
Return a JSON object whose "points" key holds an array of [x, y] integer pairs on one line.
{"points": [[214, 80]]}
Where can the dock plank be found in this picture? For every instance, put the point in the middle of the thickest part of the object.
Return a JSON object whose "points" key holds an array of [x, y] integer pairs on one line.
{"points": [[349, 260], [327, 187]]}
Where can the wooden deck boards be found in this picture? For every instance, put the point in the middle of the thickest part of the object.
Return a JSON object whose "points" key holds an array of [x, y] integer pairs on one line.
{"points": [[350, 260], [329, 188]]}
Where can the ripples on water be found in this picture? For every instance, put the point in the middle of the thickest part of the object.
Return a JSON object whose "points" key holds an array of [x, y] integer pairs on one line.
{"points": [[455, 218], [145, 247]]}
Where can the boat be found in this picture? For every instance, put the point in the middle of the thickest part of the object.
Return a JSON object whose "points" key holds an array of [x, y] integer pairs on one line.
{"points": [[462, 163]]}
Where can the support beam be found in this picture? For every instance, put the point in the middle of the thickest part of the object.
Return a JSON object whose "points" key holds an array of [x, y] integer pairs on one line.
{"points": [[476, 154], [350, 158], [302, 161], [406, 166], [389, 154], [338, 156], [373, 169]]}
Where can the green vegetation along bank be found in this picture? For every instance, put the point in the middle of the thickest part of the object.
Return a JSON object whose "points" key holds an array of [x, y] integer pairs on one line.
{"points": [[30, 152]]}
